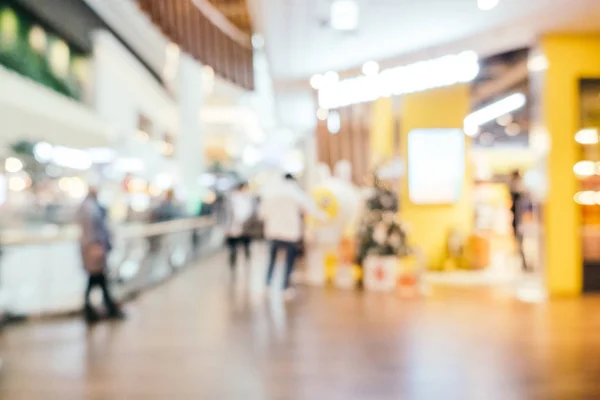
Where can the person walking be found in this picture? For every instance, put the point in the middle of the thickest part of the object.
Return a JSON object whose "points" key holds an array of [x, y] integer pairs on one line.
{"points": [[240, 209], [95, 244], [518, 195], [281, 210]]}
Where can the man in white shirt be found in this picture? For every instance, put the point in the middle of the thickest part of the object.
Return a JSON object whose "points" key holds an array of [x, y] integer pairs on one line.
{"points": [[281, 210]]}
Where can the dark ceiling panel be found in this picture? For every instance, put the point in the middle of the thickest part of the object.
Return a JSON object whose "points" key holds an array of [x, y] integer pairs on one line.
{"points": [[71, 19], [75, 22]]}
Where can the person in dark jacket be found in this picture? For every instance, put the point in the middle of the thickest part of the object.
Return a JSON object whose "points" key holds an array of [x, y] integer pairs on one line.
{"points": [[95, 244], [518, 198], [167, 210]]}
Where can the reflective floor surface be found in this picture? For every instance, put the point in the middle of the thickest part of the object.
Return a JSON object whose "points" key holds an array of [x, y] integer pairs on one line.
{"points": [[200, 336]]}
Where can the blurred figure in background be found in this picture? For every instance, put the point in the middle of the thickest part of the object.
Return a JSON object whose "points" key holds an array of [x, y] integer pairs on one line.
{"points": [[281, 210], [240, 208], [518, 195], [95, 242], [207, 206], [167, 209]]}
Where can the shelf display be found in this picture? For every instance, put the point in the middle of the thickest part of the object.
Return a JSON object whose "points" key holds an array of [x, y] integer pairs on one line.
{"points": [[587, 170]]}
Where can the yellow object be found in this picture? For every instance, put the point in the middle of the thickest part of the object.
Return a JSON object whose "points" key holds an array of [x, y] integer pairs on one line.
{"points": [[382, 131], [570, 57], [327, 201], [430, 224], [331, 261], [357, 272], [407, 265]]}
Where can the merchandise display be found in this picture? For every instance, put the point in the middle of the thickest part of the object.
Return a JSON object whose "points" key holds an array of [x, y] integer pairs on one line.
{"points": [[363, 243], [332, 241]]}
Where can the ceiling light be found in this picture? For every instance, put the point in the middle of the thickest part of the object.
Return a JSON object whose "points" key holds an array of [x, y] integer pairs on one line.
{"points": [[486, 5], [471, 130], [424, 75], [258, 42], [344, 15], [251, 156], [102, 155], [495, 110], [334, 123], [42, 151], [71, 158], [317, 81], [370, 68], [585, 168], [322, 114], [513, 129], [537, 63], [587, 136], [504, 120], [13, 165], [586, 198], [17, 184], [331, 77], [129, 165], [38, 40]]}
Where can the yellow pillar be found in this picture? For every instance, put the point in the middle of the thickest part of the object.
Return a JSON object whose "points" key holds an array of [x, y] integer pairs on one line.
{"points": [[430, 224], [570, 57], [382, 131]]}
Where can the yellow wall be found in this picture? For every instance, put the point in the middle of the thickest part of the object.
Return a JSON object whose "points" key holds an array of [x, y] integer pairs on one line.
{"points": [[430, 224], [382, 131], [570, 57]]}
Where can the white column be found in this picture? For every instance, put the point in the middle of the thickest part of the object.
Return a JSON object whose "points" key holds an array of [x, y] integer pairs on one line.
{"points": [[310, 159], [190, 140]]}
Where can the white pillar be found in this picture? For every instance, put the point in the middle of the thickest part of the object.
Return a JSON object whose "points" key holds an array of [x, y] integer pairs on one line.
{"points": [[310, 159], [190, 140]]}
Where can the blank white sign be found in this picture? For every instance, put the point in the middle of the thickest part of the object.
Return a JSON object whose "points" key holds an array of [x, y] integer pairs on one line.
{"points": [[436, 165]]}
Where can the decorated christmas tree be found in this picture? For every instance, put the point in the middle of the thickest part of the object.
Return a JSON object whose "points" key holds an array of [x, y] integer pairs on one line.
{"points": [[379, 232]]}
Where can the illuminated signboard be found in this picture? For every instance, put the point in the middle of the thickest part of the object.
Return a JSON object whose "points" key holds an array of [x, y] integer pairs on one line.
{"points": [[436, 165]]}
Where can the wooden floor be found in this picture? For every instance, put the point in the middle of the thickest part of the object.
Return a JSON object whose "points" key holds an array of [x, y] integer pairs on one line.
{"points": [[200, 337]]}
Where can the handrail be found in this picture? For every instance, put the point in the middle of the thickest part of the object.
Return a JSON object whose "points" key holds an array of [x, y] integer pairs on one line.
{"points": [[143, 256], [72, 232]]}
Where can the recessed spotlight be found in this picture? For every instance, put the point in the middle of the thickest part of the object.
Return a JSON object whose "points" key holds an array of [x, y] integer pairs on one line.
{"points": [[317, 81], [538, 63], [584, 168], [13, 164], [331, 77], [513, 129], [334, 122], [322, 114], [486, 5], [587, 136], [344, 15], [504, 120], [471, 130], [370, 68]]}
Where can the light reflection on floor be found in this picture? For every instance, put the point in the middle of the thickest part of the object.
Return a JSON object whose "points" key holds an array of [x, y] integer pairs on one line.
{"points": [[205, 336]]}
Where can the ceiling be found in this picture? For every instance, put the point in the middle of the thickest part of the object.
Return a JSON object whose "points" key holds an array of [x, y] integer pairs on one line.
{"points": [[299, 42], [236, 11]]}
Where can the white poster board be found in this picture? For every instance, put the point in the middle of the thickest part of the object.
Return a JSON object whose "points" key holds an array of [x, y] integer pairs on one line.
{"points": [[436, 165]]}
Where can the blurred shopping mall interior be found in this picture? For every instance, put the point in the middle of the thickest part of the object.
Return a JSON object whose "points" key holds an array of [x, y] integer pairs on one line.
{"points": [[299, 199]]}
